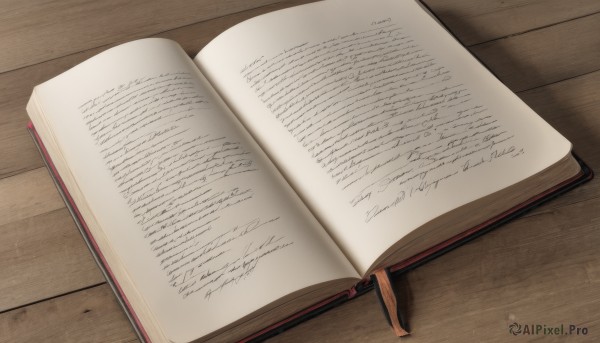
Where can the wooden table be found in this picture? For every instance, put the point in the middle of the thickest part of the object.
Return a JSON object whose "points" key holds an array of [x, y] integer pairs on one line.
{"points": [[543, 268]]}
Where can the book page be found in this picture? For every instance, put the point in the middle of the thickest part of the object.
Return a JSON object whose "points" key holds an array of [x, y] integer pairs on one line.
{"points": [[202, 223], [376, 115]]}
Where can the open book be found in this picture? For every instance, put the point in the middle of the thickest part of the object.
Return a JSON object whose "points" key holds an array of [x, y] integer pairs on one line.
{"points": [[296, 154]]}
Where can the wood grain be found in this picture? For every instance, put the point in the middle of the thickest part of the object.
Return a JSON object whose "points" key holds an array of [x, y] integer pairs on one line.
{"points": [[90, 315], [543, 268], [520, 277], [32, 28], [571, 104], [544, 56], [42, 30], [16, 148], [27, 195], [480, 21], [43, 256], [573, 107], [509, 59], [538, 270]]}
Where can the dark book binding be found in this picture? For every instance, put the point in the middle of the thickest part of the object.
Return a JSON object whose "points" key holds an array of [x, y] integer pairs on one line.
{"points": [[364, 286]]}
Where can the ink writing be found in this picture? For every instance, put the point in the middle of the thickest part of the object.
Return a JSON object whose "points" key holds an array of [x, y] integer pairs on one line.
{"points": [[379, 114], [178, 181]]}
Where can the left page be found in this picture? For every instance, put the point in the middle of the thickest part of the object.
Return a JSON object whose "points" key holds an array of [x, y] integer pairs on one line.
{"points": [[202, 224]]}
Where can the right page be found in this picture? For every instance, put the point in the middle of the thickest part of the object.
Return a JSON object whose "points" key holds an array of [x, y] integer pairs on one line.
{"points": [[376, 115]]}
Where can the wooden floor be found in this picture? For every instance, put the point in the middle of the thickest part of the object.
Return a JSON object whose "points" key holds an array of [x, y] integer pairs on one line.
{"points": [[543, 268]]}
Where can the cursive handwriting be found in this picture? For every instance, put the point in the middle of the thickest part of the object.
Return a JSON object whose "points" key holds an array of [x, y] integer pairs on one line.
{"points": [[178, 181], [379, 114]]}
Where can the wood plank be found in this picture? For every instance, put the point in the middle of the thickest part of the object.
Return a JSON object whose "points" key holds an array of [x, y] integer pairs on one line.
{"points": [[475, 21], [47, 265], [537, 270], [513, 274], [531, 271], [572, 107], [194, 37], [61, 241], [360, 320], [72, 26], [92, 315], [34, 31], [17, 151], [544, 56], [16, 147], [19, 154], [41, 257], [578, 98], [27, 195], [540, 269]]}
